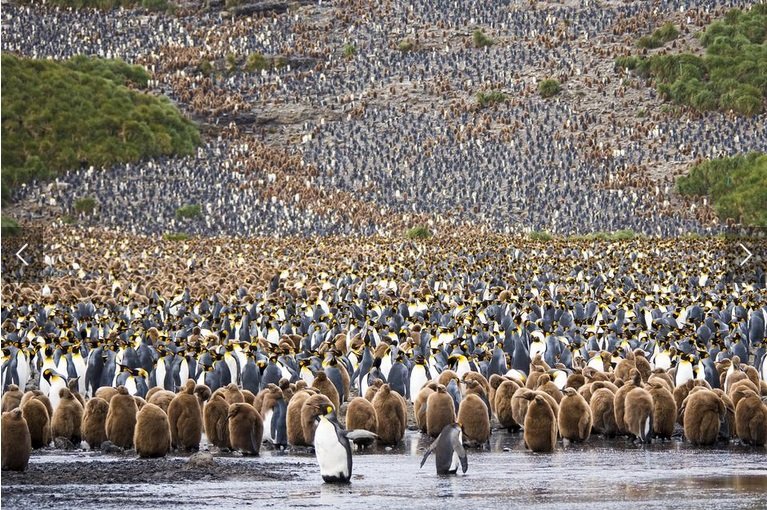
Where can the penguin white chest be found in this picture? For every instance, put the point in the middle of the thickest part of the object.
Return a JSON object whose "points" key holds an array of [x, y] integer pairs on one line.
{"points": [[331, 454], [268, 415]]}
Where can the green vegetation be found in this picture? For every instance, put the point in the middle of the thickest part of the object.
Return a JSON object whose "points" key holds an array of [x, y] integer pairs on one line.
{"points": [[350, 50], [540, 235], [258, 62], [85, 205], [490, 98], [406, 45], [549, 88], [732, 75], [737, 187], [481, 40], [9, 227], [189, 211], [63, 115], [419, 232], [177, 236], [663, 35]]}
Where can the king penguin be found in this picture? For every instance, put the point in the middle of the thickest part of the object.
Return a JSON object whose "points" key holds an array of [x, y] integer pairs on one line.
{"points": [[331, 445], [449, 451]]}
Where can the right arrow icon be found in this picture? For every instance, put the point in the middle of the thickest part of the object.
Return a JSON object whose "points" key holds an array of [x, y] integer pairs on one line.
{"points": [[748, 252]]}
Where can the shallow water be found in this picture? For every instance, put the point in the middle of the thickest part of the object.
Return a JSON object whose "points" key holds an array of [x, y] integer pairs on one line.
{"points": [[598, 474]]}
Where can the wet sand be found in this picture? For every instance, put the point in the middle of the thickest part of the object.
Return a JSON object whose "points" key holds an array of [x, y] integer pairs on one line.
{"points": [[598, 474]]}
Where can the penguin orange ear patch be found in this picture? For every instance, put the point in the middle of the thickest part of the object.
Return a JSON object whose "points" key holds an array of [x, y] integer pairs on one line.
{"points": [[329, 409]]}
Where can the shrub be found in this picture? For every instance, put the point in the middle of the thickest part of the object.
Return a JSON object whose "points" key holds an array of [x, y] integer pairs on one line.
{"points": [[85, 205], [155, 5], [177, 236], [540, 235], [737, 187], [481, 40], [189, 211], [549, 88], [490, 98], [406, 45], [61, 115], [419, 232], [257, 62], [732, 75], [9, 227], [663, 35]]}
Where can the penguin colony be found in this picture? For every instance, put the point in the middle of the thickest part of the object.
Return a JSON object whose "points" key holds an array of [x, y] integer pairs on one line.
{"points": [[546, 341], [294, 157]]}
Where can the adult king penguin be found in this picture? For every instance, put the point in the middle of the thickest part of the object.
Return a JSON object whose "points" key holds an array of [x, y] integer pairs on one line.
{"points": [[331, 445]]}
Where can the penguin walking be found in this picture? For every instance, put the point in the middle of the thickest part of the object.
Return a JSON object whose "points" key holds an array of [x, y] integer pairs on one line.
{"points": [[331, 445], [449, 451]]}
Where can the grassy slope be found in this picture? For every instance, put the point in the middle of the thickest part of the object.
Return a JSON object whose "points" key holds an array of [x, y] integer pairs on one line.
{"points": [[60, 115]]}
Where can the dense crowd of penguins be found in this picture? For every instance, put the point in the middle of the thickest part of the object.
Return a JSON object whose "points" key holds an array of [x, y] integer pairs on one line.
{"points": [[396, 131], [266, 340]]}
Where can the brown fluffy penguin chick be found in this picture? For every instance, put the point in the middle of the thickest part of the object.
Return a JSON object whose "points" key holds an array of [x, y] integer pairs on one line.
{"points": [[68, 417], [12, 398], [638, 414], [494, 382], [232, 394], [664, 409], [620, 400], [38, 395], [391, 415], [751, 420], [16, 443], [94, 428], [479, 379], [152, 435], [326, 387], [309, 411], [545, 385], [106, 392], [140, 402], [473, 417], [161, 399], [249, 397], [215, 415], [440, 411], [602, 410], [360, 414], [741, 389], [38, 422], [72, 384], [446, 376], [503, 408], [293, 420], [121, 418], [642, 364], [151, 391], [660, 375], [727, 426], [419, 405], [519, 403], [203, 393], [574, 416], [370, 393], [703, 412], [540, 424], [185, 419], [575, 380], [245, 429]]}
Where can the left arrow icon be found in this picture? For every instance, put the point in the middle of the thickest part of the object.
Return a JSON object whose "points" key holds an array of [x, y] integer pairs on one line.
{"points": [[18, 254]]}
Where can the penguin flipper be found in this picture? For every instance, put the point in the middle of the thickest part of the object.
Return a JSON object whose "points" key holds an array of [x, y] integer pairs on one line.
{"points": [[426, 455], [357, 434]]}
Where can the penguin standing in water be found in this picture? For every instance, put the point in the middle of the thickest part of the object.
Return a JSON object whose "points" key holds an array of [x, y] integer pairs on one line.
{"points": [[331, 445], [449, 451]]}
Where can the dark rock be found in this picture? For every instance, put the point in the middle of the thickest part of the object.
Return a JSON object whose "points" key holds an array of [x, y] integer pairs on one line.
{"points": [[109, 447], [62, 443]]}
